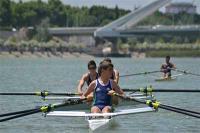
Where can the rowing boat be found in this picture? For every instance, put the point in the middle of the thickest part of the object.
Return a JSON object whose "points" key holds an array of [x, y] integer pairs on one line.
{"points": [[87, 105], [97, 120], [166, 79], [172, 78]]}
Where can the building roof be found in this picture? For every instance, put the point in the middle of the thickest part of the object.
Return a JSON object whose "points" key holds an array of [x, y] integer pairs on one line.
{"points": [[182, 4]]}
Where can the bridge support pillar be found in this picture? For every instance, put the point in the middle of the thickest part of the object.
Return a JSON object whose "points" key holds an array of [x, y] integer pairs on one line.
{"points": [[114, 45]]}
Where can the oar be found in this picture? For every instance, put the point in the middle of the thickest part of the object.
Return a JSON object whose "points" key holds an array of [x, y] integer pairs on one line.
{"points": [[185, 72], [140, 73], [155, 104], [17, 112], [44, 109], [42, 93], [150, 89]]}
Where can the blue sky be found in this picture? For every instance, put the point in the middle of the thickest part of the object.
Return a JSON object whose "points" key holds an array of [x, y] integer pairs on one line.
{"points": [[126, 4]]}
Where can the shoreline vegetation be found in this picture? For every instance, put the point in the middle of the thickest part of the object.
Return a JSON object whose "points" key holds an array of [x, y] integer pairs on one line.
{"points": [[18, 16], [58, 48], [44, 55], [151, 54], [148, 54]]}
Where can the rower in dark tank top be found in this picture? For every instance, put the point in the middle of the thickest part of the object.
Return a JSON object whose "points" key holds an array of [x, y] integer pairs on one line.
{"points": [[167, 67], [88, 77]]}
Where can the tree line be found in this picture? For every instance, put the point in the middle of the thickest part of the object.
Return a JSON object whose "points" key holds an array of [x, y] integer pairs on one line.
{"points": [[31, 13]]}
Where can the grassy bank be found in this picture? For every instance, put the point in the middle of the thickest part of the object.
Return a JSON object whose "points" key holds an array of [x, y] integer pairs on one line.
{"points": [[45, 55]]}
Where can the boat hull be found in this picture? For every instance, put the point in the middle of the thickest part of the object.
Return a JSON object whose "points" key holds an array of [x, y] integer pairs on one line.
{"points": [[165, 79], [95, 124]]}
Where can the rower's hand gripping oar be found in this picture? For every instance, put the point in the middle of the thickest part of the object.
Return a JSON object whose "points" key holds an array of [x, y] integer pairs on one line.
{"points": [[44, 109], [155, 104]]}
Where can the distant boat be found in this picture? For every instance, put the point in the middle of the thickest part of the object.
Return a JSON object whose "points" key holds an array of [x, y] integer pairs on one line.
{"points": [[172, 78]]}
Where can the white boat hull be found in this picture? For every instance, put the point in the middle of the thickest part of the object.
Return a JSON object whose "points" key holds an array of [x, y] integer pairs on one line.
{"points": [[98, 123], [165, 79], [99, 119], [172, 78]]}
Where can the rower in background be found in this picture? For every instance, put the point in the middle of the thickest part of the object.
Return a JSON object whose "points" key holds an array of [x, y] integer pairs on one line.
{"points": [[88, 77], [115, 74], [166, 67], [102, 89]]}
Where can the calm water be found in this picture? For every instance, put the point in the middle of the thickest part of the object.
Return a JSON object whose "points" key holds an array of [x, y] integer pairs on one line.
{"points": [[58, 75]]}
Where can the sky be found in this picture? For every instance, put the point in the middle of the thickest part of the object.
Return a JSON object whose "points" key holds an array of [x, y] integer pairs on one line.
{"points": [[125, 4]]}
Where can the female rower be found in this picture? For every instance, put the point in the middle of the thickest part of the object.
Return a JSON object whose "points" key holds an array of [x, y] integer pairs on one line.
{"points": [[115, 73], [102, 89], [166, 67], [88, 77]]}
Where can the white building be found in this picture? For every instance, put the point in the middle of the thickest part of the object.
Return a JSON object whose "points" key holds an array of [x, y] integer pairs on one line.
{"points": [[176, 8]]}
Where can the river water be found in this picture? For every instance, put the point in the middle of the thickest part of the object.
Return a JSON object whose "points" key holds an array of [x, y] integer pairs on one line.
{"points": [[59, 75]]}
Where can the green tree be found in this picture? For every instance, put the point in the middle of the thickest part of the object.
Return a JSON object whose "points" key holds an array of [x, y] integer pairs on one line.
{"points": [[57, 12], [117, 12], [42, 33], [5, 13]]}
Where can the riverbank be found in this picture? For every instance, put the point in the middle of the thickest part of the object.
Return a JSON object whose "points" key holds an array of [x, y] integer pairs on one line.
{"points": [[173, 53], [147, 54], [44, 55]]}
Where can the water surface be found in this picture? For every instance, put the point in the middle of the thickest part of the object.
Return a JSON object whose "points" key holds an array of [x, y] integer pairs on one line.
{"points": [[59, 75]]}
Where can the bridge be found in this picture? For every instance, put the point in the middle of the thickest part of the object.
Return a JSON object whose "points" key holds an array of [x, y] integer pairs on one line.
{"points": [[126, 26], [128, 21], [134, 31]]}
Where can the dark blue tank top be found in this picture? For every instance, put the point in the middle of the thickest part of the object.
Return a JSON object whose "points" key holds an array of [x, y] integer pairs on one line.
{"points": [[113, 76], [101, 96], [167, 68], [90, 79]]}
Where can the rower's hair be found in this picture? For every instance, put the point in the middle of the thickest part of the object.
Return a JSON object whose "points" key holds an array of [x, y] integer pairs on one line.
{"points": [[104, 65], [108, 60], [167, 57], [92, 63]]}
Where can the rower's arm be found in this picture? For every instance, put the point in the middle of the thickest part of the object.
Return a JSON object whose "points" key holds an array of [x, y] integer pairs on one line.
{"points": [[116, 76], [90, 88], [161, 67], [173, 66], [81, 84], [117, 89]]}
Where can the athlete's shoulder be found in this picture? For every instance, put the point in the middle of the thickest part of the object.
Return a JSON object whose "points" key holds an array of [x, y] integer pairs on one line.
{"points": [[93, 83], [112, 82], [171, 63], [86, 76], [116, 72], [163, 64]]}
